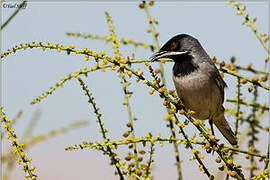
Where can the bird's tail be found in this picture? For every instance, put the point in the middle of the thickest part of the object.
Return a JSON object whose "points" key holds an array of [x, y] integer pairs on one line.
{"points": [[225, 129]]}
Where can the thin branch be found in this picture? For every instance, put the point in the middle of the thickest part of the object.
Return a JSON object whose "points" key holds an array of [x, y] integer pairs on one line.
{"points": [[13, 15]]}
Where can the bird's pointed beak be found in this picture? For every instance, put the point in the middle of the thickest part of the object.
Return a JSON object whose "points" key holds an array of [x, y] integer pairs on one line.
{"points": [[166, 54]]}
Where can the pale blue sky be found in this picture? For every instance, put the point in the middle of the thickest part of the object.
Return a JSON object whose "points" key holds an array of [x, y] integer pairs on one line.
{"points": [[27, 74]]}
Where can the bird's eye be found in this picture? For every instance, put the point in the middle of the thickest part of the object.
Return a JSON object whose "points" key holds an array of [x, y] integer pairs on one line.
{"points": [[173, 45]]}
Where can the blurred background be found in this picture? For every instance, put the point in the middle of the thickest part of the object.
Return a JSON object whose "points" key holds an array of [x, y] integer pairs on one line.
{"points": [[27, 74]]}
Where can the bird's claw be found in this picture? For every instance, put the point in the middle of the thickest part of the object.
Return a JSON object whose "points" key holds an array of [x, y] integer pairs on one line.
{"points": [[180, 104], [212, 147]]}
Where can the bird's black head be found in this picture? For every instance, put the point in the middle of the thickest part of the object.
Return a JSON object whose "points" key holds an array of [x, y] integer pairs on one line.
{"points": [[181, 49], [180, 45]]}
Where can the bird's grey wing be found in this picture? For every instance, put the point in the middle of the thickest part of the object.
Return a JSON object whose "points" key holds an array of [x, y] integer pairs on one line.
{"points": [[214, 73], [221, 84]]}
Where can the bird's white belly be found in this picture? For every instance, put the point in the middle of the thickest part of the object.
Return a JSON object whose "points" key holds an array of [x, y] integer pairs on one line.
{"points": [[198, 93]]}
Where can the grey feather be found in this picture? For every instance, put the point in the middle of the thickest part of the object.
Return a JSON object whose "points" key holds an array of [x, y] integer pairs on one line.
{"points": [[223, 126]]}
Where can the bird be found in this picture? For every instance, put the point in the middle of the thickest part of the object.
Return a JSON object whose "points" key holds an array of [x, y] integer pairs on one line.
{"points": [[197, 81]]}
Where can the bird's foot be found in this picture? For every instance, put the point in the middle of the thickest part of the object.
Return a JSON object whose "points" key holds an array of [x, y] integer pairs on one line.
{"points": [[180, 104], [212, 146]]}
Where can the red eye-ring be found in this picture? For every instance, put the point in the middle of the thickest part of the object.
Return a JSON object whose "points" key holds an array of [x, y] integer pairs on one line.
{"points": [[173, 45]]}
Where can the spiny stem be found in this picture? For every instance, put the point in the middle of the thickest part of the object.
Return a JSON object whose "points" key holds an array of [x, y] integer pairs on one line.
{"points": [[150, 159], [266, 161], [191, 147], [238, 105], [260, 106], [113, 35], [253, 133], [91, 101], [155, 35], [242, 77]]}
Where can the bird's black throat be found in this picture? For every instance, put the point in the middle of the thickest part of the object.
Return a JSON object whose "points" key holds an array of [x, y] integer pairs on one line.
{"points": [[184, 65]]}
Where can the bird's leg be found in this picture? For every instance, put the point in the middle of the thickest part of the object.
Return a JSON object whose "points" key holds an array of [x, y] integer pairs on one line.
{"points": [[211, 125], [213, 146]]}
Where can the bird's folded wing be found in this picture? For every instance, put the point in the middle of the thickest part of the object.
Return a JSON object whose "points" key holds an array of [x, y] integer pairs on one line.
{"points": [[214, 73], [221, 85]]}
